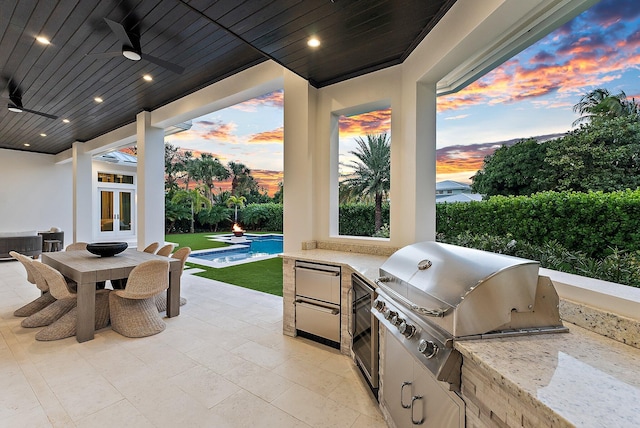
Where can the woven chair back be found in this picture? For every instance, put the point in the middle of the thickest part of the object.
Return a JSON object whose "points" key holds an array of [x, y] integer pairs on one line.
{"points": [[151, 248], [182, 254], [56, 282], [166, 250], [146, 280], [76, 246]]}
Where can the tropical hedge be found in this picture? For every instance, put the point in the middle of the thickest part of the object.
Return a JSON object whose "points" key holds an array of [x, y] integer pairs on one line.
{"points": [[359, 219], [593, 223]]}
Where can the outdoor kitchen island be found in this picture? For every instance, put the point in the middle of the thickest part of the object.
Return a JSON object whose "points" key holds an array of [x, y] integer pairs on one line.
{"points": [[578, 378]]}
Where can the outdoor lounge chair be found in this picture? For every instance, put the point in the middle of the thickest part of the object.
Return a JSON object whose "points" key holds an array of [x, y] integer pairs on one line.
{"points": [[65, 325], [133, 309], [161, 299], [45, 298]]}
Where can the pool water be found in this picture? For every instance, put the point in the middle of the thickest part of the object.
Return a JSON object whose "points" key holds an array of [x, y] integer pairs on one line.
{"points": [[256, 247]]}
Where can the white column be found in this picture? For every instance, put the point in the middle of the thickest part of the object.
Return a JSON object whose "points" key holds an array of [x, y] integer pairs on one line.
{"points": [[413, 168], [82, 195], [299, 119], [150, 186], [425, 178]]}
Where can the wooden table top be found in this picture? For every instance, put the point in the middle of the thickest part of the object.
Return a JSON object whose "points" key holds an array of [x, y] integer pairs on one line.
{"points": [[85, 267]]}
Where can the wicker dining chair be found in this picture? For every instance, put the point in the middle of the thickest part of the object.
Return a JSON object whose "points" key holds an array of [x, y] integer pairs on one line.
{"points": [[166, 250], [161, 299], [76, 246], [65, 325], [133, 309], [151, 248], [45, 298]]}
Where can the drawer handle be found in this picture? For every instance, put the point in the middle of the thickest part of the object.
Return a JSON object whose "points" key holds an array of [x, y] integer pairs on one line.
{"points": [[324, 309], [318, 271]]}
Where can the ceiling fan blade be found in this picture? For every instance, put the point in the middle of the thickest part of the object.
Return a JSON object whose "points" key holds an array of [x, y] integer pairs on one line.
{"points": [[99, 55], [49, 116], [120, 32], [162, 63]]}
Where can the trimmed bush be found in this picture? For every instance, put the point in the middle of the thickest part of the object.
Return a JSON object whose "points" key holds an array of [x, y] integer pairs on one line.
{"points": [[592, 223], [263, 217], [359, 219]]}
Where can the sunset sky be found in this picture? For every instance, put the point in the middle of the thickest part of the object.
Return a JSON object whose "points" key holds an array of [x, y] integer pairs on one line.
{"points": [[531, 94]]}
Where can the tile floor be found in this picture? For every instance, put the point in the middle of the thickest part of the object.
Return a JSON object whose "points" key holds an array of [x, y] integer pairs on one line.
{"points": [[222, 363]]}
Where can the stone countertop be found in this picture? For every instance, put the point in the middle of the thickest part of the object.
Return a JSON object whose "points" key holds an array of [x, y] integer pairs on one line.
{"points": [[585, 379], [366, 265]]}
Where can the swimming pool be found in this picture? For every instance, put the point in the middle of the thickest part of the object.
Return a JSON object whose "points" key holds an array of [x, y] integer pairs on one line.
{"points": [[255, 247]]}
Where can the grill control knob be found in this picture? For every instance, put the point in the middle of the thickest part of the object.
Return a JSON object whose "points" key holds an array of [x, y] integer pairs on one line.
{"points": [[407, 330], [427, 348], [379, 305], [388, 314], [396, 320]]}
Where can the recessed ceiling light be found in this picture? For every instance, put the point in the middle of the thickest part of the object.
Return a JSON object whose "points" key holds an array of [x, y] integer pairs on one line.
{"points": [[43, 40], [65, 120], [98, 99], [313, 42], [27, 144], [147, 77], [43, 135]]}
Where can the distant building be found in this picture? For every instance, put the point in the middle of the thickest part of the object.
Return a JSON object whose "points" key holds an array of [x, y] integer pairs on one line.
{"points": [[454, 191]]}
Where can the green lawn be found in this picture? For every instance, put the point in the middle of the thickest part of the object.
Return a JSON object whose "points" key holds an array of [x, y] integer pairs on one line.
{"points": [[263, 275]]}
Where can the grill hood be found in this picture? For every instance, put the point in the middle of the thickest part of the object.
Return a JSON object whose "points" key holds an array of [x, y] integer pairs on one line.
{"points": [[468, 292]]}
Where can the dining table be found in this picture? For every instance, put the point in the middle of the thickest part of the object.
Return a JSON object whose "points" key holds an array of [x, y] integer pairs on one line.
{"points": [[86, 269]]}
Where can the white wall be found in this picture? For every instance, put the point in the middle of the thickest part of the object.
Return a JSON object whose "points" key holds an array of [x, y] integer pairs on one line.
{"points": [[35, 193]]}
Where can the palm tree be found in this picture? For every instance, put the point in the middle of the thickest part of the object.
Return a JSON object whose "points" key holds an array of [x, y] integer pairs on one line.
{"points": [[241, 182], [193, 198], [601, 104], [209, 170], [236, 201], [371, 176]]}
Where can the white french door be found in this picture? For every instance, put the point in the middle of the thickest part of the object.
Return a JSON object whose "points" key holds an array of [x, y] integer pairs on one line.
{"points": [[116, 213]]}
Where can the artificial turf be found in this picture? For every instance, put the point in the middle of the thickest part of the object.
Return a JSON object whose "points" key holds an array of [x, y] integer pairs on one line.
{"points": [[263, 275]]}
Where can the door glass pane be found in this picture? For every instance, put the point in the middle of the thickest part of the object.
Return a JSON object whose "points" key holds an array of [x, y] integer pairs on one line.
{"points": [[106, 211], [125, 211]]}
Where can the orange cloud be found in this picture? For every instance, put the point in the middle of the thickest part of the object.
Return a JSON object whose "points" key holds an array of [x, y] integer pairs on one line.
{"points": [[273, 99], [275, 136], [374, 122]]}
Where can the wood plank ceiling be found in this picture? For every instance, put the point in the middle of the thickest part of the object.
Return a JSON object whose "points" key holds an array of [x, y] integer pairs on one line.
{"points": [[211, 40]]}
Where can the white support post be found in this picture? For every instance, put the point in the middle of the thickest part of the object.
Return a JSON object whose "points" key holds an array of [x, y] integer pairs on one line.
{"points": [[150, 188], [299, 117], [82, 194]]}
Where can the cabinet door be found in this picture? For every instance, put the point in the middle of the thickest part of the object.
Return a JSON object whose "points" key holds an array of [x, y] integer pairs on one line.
{"points": [[397, 381], [432, 404]]}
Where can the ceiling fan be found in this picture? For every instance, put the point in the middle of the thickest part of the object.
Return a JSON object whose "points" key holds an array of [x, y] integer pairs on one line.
{"points": [[15, 101], [131, 48]]}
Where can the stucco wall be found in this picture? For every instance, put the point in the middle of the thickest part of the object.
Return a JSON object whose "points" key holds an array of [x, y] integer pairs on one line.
{"points": [[35, 193]]}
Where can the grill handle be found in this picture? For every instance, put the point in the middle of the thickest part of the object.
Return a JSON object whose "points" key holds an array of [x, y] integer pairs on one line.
{"points": [[415, 308]]}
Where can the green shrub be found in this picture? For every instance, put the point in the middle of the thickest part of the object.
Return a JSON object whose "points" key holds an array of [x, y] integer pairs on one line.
{"points": [[263, 217], [358, 219], [618, 266], [592, 223]]}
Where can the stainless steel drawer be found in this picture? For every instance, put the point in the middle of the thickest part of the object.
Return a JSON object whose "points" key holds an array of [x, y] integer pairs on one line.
{"points": [[318, 318], [318, 282]]}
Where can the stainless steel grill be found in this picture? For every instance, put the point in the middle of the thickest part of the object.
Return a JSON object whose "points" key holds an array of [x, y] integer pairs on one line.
{"points": [[432, 294]]}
